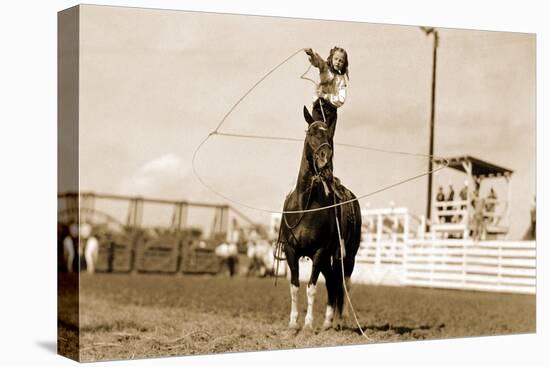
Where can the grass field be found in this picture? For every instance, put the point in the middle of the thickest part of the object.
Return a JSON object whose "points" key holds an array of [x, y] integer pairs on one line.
{"points": [[137, 316]]}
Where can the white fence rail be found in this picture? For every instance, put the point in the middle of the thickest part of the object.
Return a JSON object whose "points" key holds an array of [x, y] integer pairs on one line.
{"points": [[392, 254], [500, 266]]}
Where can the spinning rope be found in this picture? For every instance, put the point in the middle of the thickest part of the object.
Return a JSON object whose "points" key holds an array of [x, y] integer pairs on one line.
{"points": [[279, 138]]}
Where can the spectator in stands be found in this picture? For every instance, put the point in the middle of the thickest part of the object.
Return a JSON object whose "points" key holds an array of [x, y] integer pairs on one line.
{"points": [[450, 199], [475, 193], [478, 222], [534, 218], [531, 233], [489, 205], [440, 197], [463, 195]]}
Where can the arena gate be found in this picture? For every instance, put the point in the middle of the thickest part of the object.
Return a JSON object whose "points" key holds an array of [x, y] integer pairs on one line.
{"points": [[149, 235]]}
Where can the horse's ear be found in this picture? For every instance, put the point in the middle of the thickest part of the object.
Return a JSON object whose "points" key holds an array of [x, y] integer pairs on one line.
{"points": [[307, 116]]}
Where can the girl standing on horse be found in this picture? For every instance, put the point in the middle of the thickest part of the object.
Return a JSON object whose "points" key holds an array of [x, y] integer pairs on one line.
{"points": [[331, 90]]}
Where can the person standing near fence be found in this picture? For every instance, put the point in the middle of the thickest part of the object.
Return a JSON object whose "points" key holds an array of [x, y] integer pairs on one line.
{"points": [[439, 198], [233, 236], [463, 195], [478, 220], [450, 199]]}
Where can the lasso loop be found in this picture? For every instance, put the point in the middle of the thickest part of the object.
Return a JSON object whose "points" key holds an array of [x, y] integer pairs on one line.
{"points": [[244, 136]]}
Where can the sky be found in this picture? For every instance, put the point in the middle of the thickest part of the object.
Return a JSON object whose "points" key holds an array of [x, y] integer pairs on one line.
{"points": [[155, 83]]}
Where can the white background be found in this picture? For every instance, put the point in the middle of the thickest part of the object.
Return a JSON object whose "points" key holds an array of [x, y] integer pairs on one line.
{"points": [[28, 181]]}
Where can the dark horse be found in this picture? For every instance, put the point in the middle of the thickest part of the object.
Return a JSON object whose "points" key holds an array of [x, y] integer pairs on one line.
{"points": [[314, 234]]}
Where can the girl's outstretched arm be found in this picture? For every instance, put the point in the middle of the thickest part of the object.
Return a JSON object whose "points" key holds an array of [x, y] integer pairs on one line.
{"points": [[315, 59]]}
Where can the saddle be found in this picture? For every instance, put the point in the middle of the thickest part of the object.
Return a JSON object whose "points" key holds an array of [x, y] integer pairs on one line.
{"points": [[341, 192]]}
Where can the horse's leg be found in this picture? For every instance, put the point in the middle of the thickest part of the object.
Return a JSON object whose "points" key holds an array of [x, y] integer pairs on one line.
{"points": [[293, 323], [329, 282], [312, 287], [311, 291], [292, 262]]}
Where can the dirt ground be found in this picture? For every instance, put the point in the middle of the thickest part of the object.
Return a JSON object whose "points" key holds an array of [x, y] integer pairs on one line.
{"points": [[138, 316]]}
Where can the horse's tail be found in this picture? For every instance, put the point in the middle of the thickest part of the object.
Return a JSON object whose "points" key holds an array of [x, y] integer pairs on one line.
{"points": [[351, 233], [353, 236], [350, 218]]}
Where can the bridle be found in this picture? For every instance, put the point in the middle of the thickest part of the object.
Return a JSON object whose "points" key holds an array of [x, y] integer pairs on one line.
{"points": [[315, 149], [316, 177]]}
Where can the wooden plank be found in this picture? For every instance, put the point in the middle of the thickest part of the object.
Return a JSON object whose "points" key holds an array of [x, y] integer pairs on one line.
{"points": [[523, 263], [490, 279], [501, 252], [525, 272], [476, 287], [440, 243], [489, 271], [451, 260], [508, 244], [470, 278], [441, 268], [437, 252]]}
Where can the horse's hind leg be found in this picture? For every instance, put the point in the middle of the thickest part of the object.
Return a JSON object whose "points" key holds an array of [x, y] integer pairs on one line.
{"points": [[338, 293], [345, 306], [349, 264]]}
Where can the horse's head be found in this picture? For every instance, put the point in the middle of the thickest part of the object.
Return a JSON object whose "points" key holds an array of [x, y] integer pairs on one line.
{"points": [[317, 139]]}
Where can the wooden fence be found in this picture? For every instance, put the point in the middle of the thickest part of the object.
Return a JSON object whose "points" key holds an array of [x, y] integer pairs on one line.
{"points": [[500, 266]]}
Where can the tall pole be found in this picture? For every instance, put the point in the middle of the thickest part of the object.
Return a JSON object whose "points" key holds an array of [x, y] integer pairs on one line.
{"points": [[429, 31]]}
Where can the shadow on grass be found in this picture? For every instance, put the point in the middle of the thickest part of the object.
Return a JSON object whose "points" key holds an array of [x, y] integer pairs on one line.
{"points": [[401, 330]]}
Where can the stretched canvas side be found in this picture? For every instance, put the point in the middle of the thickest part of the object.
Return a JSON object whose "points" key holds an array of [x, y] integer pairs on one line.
{"points": [[68, 327]]}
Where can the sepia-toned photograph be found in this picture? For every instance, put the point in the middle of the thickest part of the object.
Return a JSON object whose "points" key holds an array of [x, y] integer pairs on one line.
{"points": [[238, 183]]}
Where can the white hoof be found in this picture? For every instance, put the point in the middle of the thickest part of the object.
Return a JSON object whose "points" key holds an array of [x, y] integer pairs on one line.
{"points": [[293, 325]]}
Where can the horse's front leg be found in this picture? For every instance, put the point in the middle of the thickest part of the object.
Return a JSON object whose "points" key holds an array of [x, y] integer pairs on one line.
{"points": [[292, 262], [312, 287]]}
